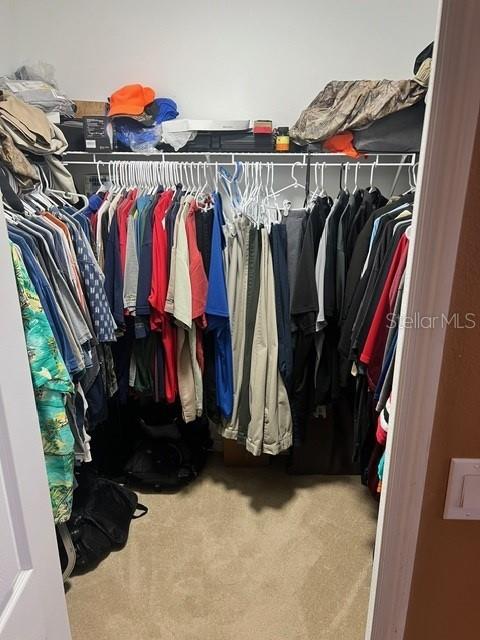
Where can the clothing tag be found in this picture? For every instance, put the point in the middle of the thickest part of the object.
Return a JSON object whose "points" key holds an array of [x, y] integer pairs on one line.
{"points": [[354, 371]]}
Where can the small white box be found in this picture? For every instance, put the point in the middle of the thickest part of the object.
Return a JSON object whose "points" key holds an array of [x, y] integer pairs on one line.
{"points": [[187, 124]]}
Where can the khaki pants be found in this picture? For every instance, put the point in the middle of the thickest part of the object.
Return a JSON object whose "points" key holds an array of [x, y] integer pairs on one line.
{"points": [[190, 383], [237, 291], [179, 303], [270, 428]]}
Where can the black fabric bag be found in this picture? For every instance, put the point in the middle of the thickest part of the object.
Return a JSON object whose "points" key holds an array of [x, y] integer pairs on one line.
{"points": [[169, 456], [100, 522], [399, 132]]}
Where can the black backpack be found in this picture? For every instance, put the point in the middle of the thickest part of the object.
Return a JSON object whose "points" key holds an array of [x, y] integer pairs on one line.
{"points": [[169, 456], [100, 521]]}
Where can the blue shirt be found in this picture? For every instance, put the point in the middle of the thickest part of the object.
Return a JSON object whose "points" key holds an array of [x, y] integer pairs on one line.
{"points": [[47, 300], [386, 366], [114, 275], [218, 314], [145, 260]]}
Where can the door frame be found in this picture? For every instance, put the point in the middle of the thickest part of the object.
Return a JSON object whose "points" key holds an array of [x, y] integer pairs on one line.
{"points": [[445, 159]]}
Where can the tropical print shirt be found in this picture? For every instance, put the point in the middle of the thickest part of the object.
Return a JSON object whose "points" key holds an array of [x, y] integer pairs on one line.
{"points": [[51, 382]]}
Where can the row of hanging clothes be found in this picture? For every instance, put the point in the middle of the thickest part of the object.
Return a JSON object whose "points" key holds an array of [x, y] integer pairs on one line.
{"points": [[194, 285], [67, 323], [314, 296]]}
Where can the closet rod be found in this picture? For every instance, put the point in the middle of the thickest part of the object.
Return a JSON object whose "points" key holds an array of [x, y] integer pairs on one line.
{"points": [[263, 164], [164, 155], [292, 154]]}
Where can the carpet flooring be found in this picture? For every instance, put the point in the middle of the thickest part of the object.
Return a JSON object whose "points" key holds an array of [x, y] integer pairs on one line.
{"points": [[241, 554]]}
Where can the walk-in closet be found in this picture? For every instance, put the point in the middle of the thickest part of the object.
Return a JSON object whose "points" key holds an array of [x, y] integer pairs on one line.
{"points": [[207, 220]]}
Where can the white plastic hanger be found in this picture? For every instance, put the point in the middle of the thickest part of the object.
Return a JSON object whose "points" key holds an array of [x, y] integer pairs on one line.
{"points": [[251, 208], [28, 207], [165, 175], [372, 170], [295, 184], [9, 213], [245, 179], [314, 195], [355, 187], [345, 177], [261, 211], [273, 211], [411, 182], [192, 178]]}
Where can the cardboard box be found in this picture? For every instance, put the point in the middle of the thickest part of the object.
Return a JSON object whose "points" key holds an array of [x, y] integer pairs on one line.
{"points": [[235, 455], [90, 108]]}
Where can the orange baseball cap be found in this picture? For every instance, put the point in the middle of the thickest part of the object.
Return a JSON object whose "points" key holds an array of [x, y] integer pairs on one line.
{"points": [[130, 100]]}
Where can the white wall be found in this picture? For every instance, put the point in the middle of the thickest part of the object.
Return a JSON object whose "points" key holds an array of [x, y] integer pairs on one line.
{"points": [[8, 48], [218, 58]]}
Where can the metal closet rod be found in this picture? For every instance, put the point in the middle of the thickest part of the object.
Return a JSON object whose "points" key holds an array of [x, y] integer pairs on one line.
{"points": [[298, 163], [295, 154]]}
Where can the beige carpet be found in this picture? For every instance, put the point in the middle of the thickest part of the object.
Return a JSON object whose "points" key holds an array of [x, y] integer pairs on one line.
{"points": [[242, 554]]}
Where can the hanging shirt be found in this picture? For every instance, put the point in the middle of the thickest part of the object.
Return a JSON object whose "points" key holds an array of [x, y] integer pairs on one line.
{"points": [[130, 280], [123, 213], [114, 277], [99, 237], [305, 297], [47, 300], [218, 315], [330, 280], [50, 382], [93, 283], [387, 244], [356, 281], [374, 347], [204, 225], [198, 278], [145, 260], [159, 319], [199, 286], [179, 294], [159, 282], [65, 299]]}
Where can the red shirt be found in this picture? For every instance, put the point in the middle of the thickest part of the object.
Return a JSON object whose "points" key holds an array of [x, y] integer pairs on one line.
{"points": [[381, 435], [123, 211], [373, 350], [159, 319]]}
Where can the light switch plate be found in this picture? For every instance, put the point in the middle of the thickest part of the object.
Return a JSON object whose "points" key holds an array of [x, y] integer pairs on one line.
{"points": [[463, 492]]}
